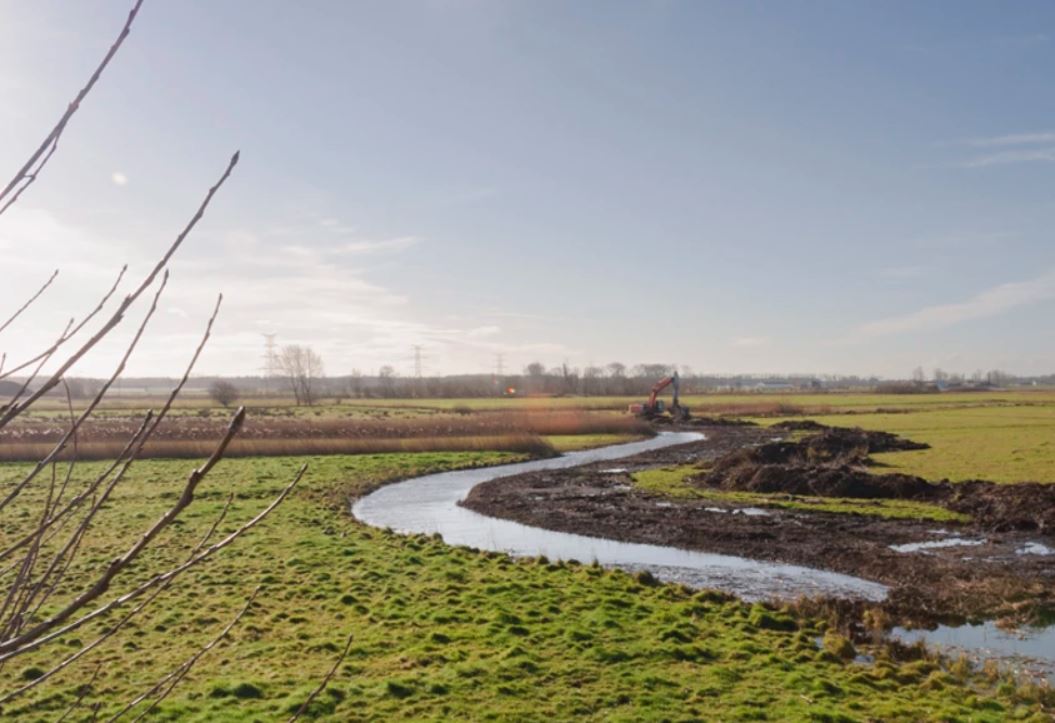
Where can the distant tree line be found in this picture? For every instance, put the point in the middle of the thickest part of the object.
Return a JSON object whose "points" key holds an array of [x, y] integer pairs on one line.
{"points": [[301, 378]]}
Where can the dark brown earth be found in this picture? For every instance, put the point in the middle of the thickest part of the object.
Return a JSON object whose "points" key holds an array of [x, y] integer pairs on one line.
{"points": [[936, 585]]}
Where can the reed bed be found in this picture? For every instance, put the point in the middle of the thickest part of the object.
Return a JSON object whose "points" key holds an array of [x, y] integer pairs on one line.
{"points": [[476, 424], [303, 446]]}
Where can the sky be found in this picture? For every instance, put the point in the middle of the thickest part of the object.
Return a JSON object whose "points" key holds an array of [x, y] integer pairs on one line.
{"points": [[757, 187]]}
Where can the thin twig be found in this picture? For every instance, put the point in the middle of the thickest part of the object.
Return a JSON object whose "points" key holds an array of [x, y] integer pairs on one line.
{"points": [[177, 675], [33, 298], [73, 332], [119, 313], [324, 683], [30, 170], [94, 403], [34, 640], [111, 631], [84, 691]]}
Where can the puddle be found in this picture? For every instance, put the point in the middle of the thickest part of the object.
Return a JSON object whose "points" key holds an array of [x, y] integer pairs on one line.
{"points": [[1028, 650], [430, 505], [1034, 548], [936, 544], [751, 512], [613, 470]]}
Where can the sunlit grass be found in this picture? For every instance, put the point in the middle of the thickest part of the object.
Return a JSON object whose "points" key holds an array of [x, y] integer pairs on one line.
{"points": [[451, 634], [673, 482], [999, 443]]}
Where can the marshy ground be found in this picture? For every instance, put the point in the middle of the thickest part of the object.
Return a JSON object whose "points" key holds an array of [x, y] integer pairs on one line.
{"points": [[450, 633]]}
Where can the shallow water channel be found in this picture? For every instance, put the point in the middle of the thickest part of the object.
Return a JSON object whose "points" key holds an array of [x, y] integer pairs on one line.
{"points": [[1029, 651], [429, 505]]}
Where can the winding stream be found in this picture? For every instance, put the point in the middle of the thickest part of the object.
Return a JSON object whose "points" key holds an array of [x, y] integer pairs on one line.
{"points": [[429, 505]]}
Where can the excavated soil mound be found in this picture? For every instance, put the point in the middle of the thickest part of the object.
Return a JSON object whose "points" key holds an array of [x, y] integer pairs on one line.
{"points": [[834, 463], [1002, 508], [821, 481], [799, 425]]}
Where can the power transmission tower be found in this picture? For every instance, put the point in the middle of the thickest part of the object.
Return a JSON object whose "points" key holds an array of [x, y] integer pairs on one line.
{"points": [[417, 360], [270, 361]]}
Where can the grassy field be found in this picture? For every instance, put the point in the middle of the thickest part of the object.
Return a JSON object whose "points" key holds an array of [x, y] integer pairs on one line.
{"points": [[1001, 440], [442, 633], [673, 482]]}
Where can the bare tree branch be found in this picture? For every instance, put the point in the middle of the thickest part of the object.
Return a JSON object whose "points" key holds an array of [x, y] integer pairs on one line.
{"points": [[119, 313], [84, 691], [73, 332], [111, 631], [29, 303], [325, 681], [91, 407], [27, 642], [177, 675], [30, 170]]}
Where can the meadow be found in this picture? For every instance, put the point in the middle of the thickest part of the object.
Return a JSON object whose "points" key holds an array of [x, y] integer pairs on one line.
{"points": [[449, 633], [996, 437]]}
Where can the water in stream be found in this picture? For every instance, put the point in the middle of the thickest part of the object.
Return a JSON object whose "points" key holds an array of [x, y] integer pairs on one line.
{"points": [[430, 505], [1029, 650]]}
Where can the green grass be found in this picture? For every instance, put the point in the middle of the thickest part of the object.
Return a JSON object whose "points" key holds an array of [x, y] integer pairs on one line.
{"points": [[1000, 443], [672, 482], [572, 442], [442, 633]]}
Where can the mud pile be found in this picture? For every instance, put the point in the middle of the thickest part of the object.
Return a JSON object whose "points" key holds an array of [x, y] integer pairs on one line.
{"points": [[1002, 508], [835, 463], [829, 464]]}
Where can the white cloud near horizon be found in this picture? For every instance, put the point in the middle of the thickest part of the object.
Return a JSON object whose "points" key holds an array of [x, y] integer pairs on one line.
{"points": [[316, 293], [988, 303]]}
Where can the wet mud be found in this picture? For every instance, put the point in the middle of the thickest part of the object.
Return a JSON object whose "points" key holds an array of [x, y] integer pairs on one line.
{"points": [[1001, 564]]}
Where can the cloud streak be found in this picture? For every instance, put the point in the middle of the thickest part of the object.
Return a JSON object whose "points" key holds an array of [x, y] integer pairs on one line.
{"points": [[988, 303], [1034, 155], [1013, 139], [1013, 148]]}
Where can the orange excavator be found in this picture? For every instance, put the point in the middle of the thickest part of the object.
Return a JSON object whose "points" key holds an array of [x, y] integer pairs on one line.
{"points": [[654, 408]]}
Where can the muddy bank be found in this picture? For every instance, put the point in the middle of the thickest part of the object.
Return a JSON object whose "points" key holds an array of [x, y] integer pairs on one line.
{"points": [[835, 462], [997, 565]]}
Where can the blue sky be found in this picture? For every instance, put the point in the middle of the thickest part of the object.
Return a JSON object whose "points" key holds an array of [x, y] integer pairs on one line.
{"points": [[817, 187]]}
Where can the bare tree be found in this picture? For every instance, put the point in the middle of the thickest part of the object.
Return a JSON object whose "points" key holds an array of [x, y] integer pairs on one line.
{"points": [[49, 514], [386, 375], [302, 368], [224, 392]]}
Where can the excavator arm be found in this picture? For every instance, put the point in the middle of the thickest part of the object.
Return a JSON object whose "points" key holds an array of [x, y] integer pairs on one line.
{"points": [[659, 387]]}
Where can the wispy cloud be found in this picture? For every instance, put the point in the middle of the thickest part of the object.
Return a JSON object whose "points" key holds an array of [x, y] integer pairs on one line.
{"points": [[293, 284], [988, 303], [743, 342], [1037, 147], [900, 273], [1034, 155], [1013, 139], [373, 246]]}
